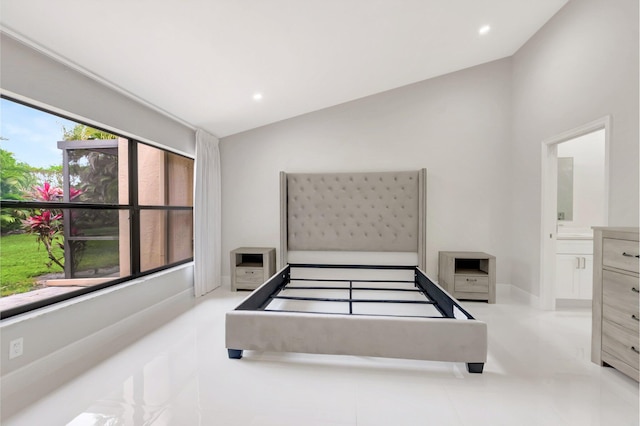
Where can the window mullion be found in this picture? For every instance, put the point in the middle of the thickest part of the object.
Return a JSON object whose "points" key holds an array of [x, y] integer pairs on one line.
{"points": [[134, 212]]}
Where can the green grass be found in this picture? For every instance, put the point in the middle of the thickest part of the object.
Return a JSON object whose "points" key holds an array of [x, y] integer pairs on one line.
{"points": [[22, 260], [100, 254]]}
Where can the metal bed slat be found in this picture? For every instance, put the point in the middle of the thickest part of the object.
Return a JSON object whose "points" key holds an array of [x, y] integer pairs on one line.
{"points": [[331, 299], [330, 266], [411, 290], [357, 315], [354, 280]]}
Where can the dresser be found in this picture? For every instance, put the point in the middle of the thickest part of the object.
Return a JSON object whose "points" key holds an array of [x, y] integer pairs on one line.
{"points": [[251, 267], [616, 300], [468, 275]]}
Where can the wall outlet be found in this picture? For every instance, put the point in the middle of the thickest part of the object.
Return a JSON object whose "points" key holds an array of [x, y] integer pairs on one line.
{"points": [[16, 348]]}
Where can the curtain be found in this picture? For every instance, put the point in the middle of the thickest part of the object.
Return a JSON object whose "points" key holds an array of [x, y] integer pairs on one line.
{"points": [[207, 214]]}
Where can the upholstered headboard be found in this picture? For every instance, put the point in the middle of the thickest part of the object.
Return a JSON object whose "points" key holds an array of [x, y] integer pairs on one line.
{"points": [[359, 212]]}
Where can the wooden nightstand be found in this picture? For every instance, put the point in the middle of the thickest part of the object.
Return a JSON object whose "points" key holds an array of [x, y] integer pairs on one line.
{"points": [[251, 266], [468, 275]]}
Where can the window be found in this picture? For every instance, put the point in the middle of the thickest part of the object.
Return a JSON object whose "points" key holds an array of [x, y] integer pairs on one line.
{"points": [[83, 209]]}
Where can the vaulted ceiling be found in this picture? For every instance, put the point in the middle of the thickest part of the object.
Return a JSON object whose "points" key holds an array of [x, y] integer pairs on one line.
{"points": [[204, 61]]}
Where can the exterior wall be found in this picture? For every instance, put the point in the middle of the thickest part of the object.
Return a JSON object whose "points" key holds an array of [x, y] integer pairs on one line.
{"points": [[124, 240], [152, 182], [180, 170], [581, 66]]}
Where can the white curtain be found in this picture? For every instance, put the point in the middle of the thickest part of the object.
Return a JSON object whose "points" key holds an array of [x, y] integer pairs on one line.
{"points": [[207, 214]]}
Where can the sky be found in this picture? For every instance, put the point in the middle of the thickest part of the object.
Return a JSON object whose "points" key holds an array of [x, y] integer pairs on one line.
{"points": [[32, 134]]}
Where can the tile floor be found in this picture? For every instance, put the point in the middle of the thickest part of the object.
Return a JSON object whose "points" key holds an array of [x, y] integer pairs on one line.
{"points": [[538, 373]]}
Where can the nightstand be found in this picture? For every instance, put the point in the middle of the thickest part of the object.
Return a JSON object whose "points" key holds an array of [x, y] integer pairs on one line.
{"points": [[251, 266], [468, 275]]}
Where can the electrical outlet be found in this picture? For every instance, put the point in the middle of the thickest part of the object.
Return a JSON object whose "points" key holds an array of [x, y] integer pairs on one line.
{"points": [[16, 348]]}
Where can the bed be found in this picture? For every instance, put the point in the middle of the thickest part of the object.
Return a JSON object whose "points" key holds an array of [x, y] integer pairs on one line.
{"points": [[382, 305]]}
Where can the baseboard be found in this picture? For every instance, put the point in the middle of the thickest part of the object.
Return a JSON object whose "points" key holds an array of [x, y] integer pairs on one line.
{"points": [[518, 294], [573, 304]]}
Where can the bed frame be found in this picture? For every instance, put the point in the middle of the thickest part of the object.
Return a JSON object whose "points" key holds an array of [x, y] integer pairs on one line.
{"points": [[356, 212]]}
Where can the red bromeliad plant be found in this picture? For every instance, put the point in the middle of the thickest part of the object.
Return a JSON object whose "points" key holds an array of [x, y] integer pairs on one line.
{"points": [[47, 192], [47, 224]]}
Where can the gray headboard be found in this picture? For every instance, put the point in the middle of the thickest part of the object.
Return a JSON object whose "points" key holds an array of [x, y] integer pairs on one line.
{"points": [[361, 212]]}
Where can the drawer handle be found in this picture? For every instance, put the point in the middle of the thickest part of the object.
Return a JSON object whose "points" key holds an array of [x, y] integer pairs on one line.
{"points": [[473, 280], [635, 290], [633, 348], [635, 317], [624, 253]]}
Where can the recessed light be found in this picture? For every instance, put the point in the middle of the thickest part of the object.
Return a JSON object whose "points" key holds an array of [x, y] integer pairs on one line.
{"points": [[257, 96], [484, 29]]}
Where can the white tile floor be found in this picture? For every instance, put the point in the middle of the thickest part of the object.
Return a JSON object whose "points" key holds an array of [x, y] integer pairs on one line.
{"points": [[538, 373]]}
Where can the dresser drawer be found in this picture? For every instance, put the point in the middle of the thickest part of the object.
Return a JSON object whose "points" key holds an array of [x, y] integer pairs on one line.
{"points": [[624, 318], [249, 275], [620, 343], [471, 283], [621, 254], [618, 295]]}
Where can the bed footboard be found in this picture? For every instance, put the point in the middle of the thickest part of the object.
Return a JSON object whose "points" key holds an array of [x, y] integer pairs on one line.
{"points": [[435, 339]]}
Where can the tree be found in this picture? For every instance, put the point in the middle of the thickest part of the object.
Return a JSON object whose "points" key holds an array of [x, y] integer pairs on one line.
{"points": [[15, 179], [82, 132], [52, 174], [15, 176]]}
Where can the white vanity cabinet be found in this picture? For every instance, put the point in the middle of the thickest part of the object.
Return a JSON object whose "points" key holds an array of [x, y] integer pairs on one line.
{"points": [[574, 269]]}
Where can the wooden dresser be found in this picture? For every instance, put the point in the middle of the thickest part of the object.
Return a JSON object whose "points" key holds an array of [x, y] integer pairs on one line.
{"points": [[616, 300]]}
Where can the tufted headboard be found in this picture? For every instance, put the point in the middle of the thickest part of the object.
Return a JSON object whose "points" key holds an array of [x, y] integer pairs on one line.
{"points": [[358, 212]]}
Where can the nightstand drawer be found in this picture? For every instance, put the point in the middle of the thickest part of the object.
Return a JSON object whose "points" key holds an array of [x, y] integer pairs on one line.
{"points": [[472, 283], [249, 275], [621, 254]]}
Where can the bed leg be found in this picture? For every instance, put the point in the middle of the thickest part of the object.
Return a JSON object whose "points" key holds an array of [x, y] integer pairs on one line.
{"points": [[475, 367], [235, 353]]}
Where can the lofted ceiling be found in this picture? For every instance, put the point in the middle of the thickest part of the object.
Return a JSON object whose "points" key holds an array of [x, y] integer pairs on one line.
{"points": [[203, 61]]}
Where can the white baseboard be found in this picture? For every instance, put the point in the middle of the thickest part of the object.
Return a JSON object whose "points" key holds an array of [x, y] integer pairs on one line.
{"points": [[518, 294]]}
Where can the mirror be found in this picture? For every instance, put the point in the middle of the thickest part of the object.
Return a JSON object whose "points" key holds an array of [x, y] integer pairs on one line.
{"points": [[565, 188]]}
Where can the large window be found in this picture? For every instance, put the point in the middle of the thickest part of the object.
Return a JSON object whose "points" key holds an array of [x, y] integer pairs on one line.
{"points": [[83, 209]]}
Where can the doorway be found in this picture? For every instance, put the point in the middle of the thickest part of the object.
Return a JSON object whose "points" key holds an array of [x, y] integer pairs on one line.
{"points": [[577, 219]]}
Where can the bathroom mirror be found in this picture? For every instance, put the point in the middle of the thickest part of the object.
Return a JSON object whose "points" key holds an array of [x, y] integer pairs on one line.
{"points": [[565, 188]]}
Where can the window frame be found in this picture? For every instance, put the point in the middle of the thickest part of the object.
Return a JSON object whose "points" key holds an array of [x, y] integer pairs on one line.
{"points": [[133, 207]]}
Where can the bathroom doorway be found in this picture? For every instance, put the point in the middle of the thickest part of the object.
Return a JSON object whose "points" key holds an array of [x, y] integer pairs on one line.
{"points": [[575, 170]]}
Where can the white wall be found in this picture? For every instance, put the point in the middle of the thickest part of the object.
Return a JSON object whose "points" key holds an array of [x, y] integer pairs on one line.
{"points": [[581, 66], [39, 79], [456, 126], [588, 155]]}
